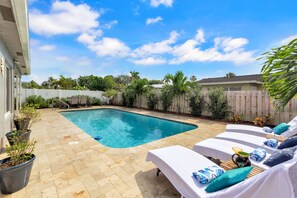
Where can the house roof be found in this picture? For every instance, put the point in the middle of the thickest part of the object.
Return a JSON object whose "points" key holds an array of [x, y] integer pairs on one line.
{"points": [[254, 78]]}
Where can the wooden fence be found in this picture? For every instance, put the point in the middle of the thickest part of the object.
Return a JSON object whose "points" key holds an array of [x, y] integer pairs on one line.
{"points": [[247, 104]]}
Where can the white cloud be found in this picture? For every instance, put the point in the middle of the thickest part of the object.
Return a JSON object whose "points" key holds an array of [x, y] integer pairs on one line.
{"points": [[288, 39], [47, 47], [150, 61], [225, 49], [64, 18], [62, 58], [158, 47], [151, 21], [110, 24], [156, 3]]}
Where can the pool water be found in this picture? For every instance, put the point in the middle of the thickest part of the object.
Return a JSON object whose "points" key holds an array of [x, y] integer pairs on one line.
{"points": [[121, 129]]}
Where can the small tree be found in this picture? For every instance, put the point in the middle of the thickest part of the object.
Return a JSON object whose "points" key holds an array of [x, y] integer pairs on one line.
{"points": [[196, 102], [166, 98], [230, 75], [218, 104], [152, 100], [109, 94]]}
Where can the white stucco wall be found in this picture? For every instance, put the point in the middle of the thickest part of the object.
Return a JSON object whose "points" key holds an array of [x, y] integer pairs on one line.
{"points": [[5, 118]]}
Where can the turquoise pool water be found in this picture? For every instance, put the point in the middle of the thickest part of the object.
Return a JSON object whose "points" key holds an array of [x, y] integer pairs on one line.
{"points": [[121, 129]]}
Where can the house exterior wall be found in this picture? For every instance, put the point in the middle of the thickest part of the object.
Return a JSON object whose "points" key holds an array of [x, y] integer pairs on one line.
{"points": [[230, 87], [5, 117]]}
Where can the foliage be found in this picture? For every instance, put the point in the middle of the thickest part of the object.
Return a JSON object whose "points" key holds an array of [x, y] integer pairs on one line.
{"points": [[19, 153], [166, 98], [230, 75], [134, 75], [110, 93], [193, 78], [263, 121], [31, 85], [279, 73], [37, 102], [123, 79], [29, 112], [178, 85], [128, 98], [95, 101], [152, 100], [154, 82], [236, 119], [139, 87], [218, 104], [196, 102]]}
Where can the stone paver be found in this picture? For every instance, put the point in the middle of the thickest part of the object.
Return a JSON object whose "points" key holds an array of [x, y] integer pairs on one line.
{"points": [[70, 163]]}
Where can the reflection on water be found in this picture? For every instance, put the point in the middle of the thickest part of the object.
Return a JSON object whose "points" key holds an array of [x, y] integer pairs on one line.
{"points": [[120, 129]]}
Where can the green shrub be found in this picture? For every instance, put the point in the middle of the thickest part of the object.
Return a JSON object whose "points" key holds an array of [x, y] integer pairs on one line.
{"points": [[196, 103], [152, 101], [129, 98], [96, 101], [166, 98], [52, 102], [218, 104], [37, 102]]}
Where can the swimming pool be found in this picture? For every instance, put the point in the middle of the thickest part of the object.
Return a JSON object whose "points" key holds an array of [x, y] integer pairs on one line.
{"points": [[121, 129]]}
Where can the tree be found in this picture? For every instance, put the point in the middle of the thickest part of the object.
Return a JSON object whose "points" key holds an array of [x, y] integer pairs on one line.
{"points": [[193, 78], [139, 87], [178, 84], [134, 75], [280, 73], [66, 83], [31, 85], [230, 75], [123, 79], [109, 94]]}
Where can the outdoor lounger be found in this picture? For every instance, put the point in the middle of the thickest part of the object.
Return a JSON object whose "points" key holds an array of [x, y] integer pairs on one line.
{"points": [[246, 139], [222, 150], [258, 131], [178, 163]]}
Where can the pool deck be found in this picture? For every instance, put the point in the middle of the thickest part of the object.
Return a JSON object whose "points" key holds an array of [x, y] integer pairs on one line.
{"points": [[70, 163]]}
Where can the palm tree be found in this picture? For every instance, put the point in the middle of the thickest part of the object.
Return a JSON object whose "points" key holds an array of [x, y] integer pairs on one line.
{"points": [[179, 85], [193, 78], [230, 75], [134, 75], [280, 73], [140, 87]]}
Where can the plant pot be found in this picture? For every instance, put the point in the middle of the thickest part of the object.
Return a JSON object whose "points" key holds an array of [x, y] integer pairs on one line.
{"points": [[22, 136], [16, 177], [22, 124]]}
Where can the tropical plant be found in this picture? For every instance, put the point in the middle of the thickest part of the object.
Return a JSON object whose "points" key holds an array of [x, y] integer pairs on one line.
{"points": [[236, 119], [218, 104], [179, 85], [152, 100], [29, 113], [139, 87], [166, 98], [263, 121], [230, 75], [109, 94], [280, 73], [128, 98], [196, 102], [134, 75], [37, 102], [193, 78]]}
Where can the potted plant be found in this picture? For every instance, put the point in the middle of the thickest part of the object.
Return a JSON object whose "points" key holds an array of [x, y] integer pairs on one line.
{"points": [[15, 170], [23, 122]]}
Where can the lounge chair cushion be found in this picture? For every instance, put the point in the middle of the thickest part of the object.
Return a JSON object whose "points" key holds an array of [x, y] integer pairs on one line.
{"points": [[207, 175], [229, 178], [290, 142], [279, 129], [271, 142], [280, 157]]}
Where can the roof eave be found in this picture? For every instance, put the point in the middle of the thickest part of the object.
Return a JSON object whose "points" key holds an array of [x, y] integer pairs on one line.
{"points": [[233, 82]]}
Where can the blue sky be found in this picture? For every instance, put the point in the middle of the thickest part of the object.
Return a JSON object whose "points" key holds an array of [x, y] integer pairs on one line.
{"points": [[155, 37]]}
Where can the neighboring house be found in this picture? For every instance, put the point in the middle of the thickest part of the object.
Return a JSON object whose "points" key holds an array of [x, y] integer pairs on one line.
{"points": [[236, 83], [14, 59]]}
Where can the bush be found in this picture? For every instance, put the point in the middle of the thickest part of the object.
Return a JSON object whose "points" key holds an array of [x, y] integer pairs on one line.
{"points": [[96, 101], [236, 119], [37, 102], [218, 104], [196, 104], [152, 101], [166, 98], [52, 102], [129, 98]]}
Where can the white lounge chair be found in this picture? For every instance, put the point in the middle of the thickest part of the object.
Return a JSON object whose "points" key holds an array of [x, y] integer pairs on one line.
{"points": [[178, 163], [246, 139], [222, 150], [258, 131]]}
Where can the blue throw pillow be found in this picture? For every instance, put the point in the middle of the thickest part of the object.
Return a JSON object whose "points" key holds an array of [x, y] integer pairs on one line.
{"points": [[290, 142], [280, 157], [208, 174], [229, 178], [271, 142], [279, 129]]}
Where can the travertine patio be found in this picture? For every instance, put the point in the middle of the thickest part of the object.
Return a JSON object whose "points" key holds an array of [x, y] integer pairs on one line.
{"points": [[70, 163]]}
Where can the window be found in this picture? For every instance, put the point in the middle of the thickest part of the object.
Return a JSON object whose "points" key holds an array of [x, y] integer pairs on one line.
{"points": [[8, 88]]}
